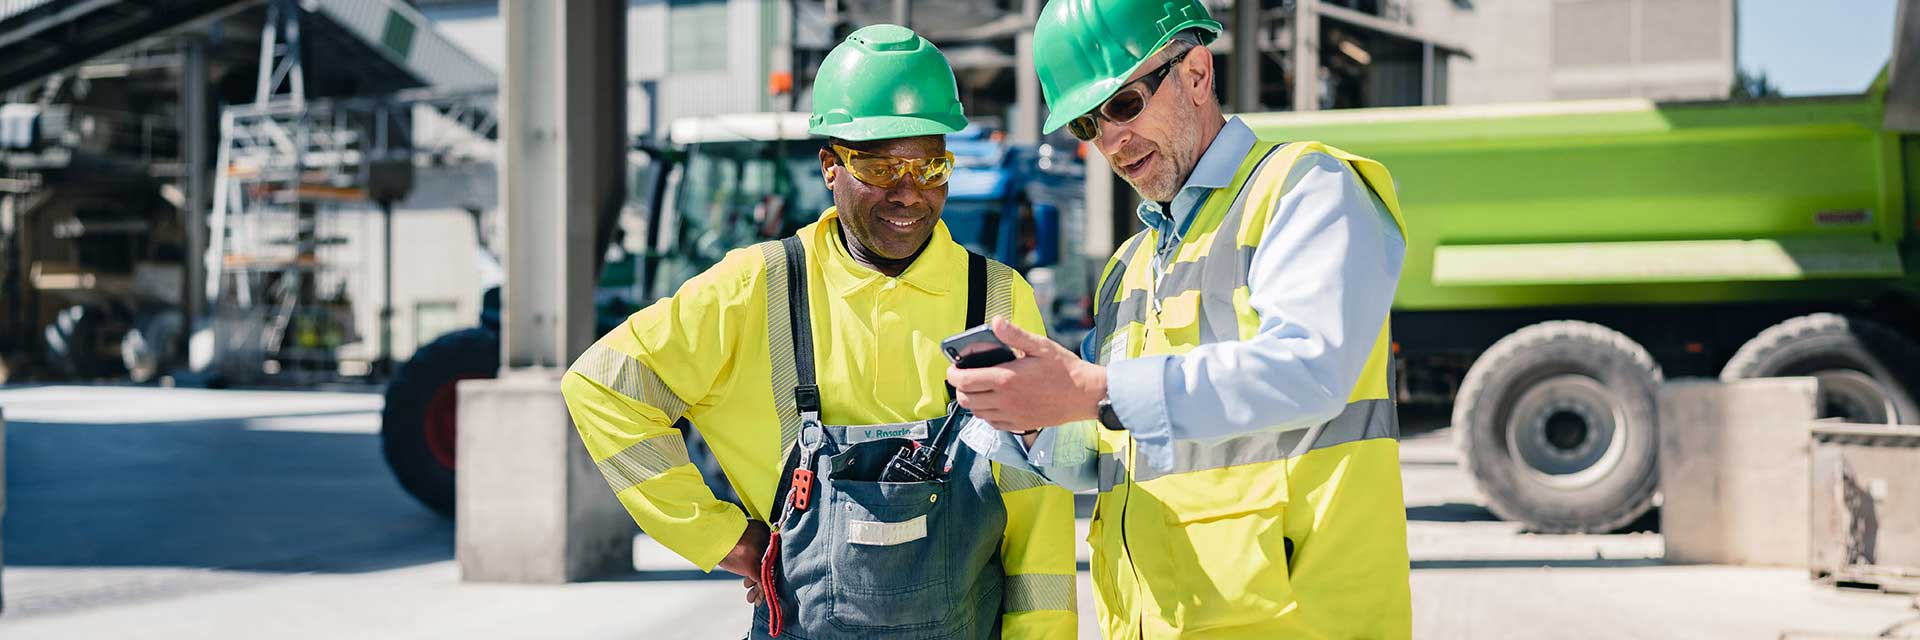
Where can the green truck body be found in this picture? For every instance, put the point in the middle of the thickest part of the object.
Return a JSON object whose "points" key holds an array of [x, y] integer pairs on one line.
{"points": [[1564, 259], [1633, 202]]}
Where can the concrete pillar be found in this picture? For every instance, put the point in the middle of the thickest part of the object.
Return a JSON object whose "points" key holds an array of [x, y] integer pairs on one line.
{"points": [[1111, 205], [196, 122], [1427, 93], [1026, 80], [532, 506], [1244, 90], [1306, 55], [562, 158], [1733, 470], [903, 13], [1102, 236]]}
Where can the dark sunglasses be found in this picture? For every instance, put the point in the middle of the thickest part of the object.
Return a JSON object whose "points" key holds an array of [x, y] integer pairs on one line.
{"points": [[1126, 104]]}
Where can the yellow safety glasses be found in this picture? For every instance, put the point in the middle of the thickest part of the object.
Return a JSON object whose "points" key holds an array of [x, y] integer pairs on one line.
{"points": [[886, 171]]}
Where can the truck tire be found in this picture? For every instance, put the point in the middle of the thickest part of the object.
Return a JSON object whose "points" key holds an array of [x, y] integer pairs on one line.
{"points": [[417, 431], [1868, 373], [417, 424], [1556, 422]]}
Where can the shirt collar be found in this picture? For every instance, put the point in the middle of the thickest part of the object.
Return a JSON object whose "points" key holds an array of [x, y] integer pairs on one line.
{"points": [[1215, 170], [931, 272]]}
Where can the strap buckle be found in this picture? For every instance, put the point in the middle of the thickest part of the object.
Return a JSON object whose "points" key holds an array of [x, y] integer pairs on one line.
{"points": [[806, 398]]}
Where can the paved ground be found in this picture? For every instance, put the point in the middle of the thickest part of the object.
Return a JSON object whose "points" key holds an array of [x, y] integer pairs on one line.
{"points": [[209, 514]]}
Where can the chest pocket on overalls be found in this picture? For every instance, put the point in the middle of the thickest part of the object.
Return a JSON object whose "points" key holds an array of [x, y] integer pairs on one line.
{"points": [[889, 540]]}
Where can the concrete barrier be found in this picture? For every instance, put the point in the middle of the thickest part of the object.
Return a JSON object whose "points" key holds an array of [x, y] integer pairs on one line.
{"points": [[1866, 506], [1733, 470], [533, 508]]}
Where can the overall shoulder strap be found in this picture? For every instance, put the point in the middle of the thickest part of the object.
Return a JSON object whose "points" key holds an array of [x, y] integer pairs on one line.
{"points": [[976, 289], [806, 393], [976, 299]]}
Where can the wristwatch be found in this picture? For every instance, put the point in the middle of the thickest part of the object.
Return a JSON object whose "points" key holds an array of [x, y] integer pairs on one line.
{"points": [[1108, 418]]}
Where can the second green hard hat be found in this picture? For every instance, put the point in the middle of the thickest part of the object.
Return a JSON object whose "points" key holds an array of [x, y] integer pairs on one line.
{"points": [[1085, 50], [885, 81]]}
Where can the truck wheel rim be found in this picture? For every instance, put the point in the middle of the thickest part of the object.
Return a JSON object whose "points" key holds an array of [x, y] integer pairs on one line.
{"points": [[1567, 431], [1855, 396]]}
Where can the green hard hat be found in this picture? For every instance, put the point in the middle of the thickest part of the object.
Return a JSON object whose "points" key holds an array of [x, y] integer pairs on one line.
{"points": [[1086, 49], [885, 81]]}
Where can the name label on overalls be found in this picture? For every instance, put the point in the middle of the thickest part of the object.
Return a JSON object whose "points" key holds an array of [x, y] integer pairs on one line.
{"points": [[914, 431], [882, 534]]}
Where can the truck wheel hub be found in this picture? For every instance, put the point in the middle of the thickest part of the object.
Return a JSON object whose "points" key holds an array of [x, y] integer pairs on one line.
{"points": [[1567, 430]]}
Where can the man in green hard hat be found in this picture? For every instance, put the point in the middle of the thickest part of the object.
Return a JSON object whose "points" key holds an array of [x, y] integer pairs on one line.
{"points": [[1233, 405], [812, 367]]}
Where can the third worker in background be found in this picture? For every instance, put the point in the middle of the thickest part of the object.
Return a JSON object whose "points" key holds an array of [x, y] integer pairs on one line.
{"points": [[1234, 404]]}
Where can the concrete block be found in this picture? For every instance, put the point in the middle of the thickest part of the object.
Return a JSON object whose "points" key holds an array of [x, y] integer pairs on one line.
{"points": [[1733, 470], [533, 508], [1866, 505]]}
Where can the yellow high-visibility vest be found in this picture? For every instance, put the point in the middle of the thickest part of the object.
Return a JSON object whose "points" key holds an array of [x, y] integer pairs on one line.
{"points": [[1289, 534]]}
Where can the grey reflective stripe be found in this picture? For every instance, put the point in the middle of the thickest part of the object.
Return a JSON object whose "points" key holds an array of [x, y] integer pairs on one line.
{"points": [[1038, 592], [1012, 480], [1216, 279], [1219, 322], [645, 459], [999, 290], [1363, 420], [1132, 309], [780, 343], [628, 377], [1112, 470], [1204, 272], [1182, 277], [1106, 316]]}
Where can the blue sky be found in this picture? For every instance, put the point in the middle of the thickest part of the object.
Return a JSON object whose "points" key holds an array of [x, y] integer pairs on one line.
{"points": [[1816, 48]]}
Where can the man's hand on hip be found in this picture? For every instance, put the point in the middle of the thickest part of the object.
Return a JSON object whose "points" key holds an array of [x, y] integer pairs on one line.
{"points": [[1047, 386], [744, 559]]}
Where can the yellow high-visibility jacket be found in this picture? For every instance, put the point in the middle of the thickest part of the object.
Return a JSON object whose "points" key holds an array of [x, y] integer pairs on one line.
{"points": [[703, 354]]}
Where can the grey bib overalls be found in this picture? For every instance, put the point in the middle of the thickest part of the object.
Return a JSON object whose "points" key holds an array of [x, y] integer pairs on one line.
{"points": [[854, 557]]}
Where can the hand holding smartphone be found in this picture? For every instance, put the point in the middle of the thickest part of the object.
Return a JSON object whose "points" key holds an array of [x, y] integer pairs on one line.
{"points": [[976, 347]]}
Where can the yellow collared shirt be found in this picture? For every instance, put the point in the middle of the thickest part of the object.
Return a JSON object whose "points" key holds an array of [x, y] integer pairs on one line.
{"points": [[703, 354]]}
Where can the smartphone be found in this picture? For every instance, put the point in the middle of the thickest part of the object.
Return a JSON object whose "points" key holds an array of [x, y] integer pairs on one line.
{"points": [[975, 348]]}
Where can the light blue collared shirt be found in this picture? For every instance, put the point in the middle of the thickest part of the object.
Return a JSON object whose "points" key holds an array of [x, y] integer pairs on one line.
{"points": [[1322, 281]]}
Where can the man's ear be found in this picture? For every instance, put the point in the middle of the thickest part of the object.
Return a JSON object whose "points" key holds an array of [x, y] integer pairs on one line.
{"points": [[827, 166], [1199, 67]]}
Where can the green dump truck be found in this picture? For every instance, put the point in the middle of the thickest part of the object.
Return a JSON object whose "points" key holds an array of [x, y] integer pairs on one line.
{"points": [[1564, 258]]}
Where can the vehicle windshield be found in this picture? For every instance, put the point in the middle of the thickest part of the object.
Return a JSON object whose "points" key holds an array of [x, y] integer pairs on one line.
{"points": [[733, 194]]}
